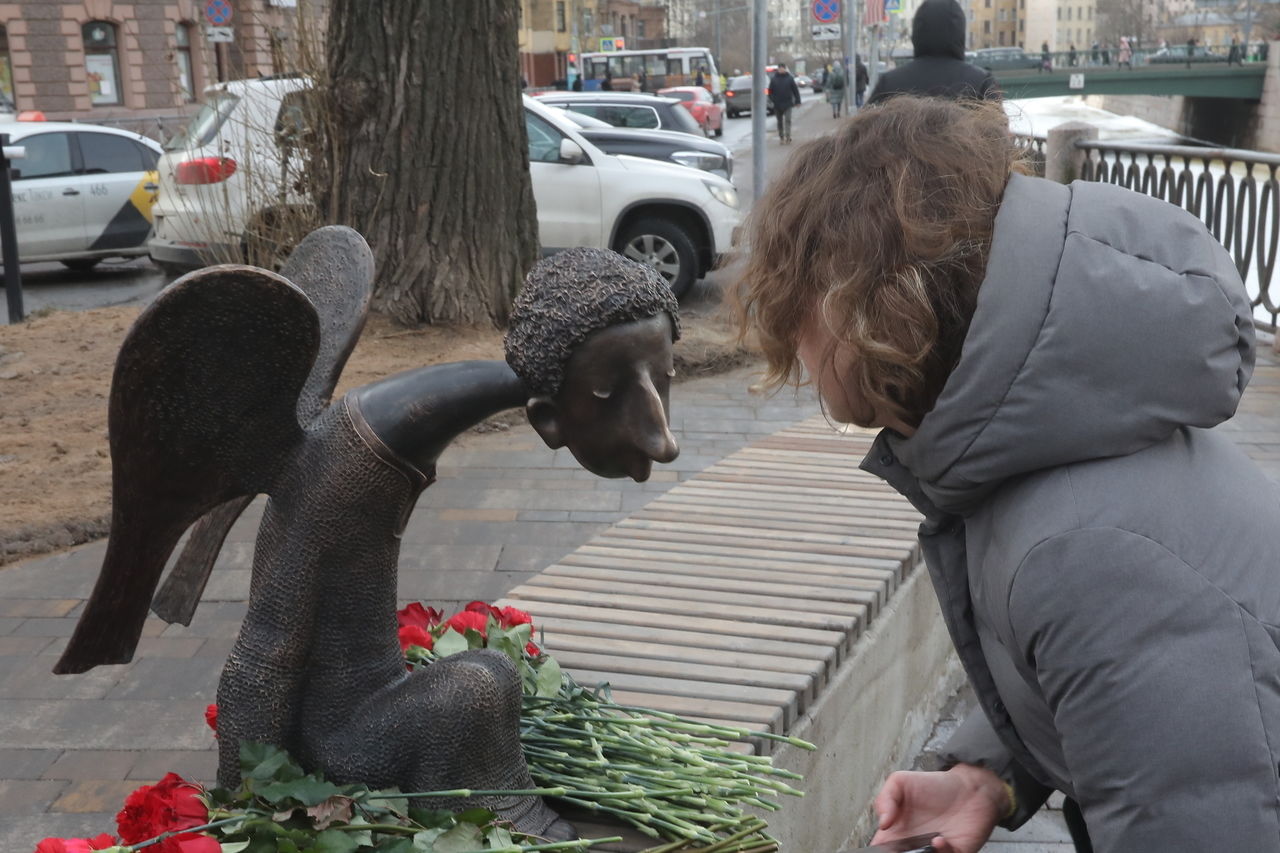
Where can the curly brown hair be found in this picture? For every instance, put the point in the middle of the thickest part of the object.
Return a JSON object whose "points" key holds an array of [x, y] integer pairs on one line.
{"points": [[884, 227]]}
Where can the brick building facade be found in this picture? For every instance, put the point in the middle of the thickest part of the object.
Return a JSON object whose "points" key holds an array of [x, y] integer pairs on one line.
{"points": [[110, 61]]}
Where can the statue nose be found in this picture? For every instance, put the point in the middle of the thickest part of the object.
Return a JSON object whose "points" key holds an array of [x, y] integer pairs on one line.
{"points": [[659, 443]]}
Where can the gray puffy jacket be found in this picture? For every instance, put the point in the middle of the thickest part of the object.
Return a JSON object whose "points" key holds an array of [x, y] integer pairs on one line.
{"points": [[1108, 566]]}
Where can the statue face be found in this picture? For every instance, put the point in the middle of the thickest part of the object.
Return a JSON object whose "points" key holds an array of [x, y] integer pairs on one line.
{"points": [[612, 408]]}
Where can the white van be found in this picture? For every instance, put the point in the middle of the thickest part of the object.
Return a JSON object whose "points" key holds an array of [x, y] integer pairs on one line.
{"points": [[678, 219]]}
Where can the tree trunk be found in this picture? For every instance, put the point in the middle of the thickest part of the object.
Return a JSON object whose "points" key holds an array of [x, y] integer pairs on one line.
{"points": [[427, 153]]}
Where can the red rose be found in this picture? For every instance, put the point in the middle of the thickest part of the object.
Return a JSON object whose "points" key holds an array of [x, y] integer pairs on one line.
{"points": [[75, 845], [509, 617], [481, 607], [413, 635], [170, 804], [211, 718], [460, 622], [415, 614], [531, 649]]}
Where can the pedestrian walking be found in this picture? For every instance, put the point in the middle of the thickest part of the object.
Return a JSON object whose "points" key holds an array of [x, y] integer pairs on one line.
{"points": [[1124, 59], [1233, 54], [833, 85], [1104, 560], [1046, 58], [1093, 53], [700, 78], [784, 94], [1072, 58], [1191, 50], [607, 83], [861, 80], [939, 67]]}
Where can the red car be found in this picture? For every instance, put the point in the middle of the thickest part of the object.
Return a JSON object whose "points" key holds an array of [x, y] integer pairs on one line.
{"points": [[707, 113]]}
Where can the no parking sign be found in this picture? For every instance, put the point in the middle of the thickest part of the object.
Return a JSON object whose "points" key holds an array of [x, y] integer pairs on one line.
{"points": [[217, 12], [826, 11]]}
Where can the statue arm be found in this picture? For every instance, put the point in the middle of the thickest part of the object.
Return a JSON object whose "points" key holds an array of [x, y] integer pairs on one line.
{"points": [[419, 412]]}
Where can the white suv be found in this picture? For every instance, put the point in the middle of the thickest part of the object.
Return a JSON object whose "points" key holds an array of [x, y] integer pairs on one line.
{"points": [[678, 219]]}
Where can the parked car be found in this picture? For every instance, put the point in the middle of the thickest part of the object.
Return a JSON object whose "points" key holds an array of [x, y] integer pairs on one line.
{"points": [[676, 219], [1179, 54], [737, 98], [1004, 59], [82, 193], [682, 148], [625, 109], [698, 101]]}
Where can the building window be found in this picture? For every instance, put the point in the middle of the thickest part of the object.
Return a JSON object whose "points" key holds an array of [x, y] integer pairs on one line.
{"points": [[640, 29], [182, 55], [1002, 38], [101, 62], [560, 27], [986, 28], [6, 73]]}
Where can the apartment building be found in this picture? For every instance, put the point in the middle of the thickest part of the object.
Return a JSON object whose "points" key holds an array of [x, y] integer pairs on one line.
{"points": [[101, 60]]}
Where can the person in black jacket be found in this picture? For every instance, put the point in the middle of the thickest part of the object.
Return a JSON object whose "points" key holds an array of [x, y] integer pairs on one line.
{"points": [[785, 94], [939, 69]]}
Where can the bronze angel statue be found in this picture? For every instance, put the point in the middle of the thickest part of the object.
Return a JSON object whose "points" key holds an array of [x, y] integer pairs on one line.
{"points": [[222, 392]]}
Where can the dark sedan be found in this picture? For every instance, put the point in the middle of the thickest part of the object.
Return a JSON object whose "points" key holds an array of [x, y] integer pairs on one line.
{"points": [[700, 153], [737, 98], [1184, 54], [624, 109]]}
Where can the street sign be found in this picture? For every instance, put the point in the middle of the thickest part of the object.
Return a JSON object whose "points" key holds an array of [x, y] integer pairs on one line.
{"points": [[610, 45], [216, 35], [1075, 81], [217, 12], [824, 32], [826, 11], [892, 6]]}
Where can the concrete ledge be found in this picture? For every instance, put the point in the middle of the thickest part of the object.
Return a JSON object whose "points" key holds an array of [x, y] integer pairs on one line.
{"points": [[872, 718]]}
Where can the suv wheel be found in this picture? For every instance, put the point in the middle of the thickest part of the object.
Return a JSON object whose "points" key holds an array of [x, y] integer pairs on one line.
{"points": [[81, 264], [665, 246]]}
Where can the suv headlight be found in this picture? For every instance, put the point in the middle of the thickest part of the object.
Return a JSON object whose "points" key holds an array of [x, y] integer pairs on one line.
{"points": [[725, 195], [699, 160]]}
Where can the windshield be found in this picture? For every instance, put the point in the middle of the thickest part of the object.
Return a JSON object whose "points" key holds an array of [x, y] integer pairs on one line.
{"points": [[683, 121], [204, 126], [585, 122], [684, 96]]}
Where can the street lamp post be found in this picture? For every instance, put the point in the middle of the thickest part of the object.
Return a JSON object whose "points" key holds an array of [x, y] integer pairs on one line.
{"points": [[759, 49]]}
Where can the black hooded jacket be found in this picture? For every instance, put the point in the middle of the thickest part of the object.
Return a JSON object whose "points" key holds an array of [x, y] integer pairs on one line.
{"points": [[939, 69]]}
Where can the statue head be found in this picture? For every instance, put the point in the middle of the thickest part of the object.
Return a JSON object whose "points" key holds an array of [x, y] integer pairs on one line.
{"points": [[590, 336]]}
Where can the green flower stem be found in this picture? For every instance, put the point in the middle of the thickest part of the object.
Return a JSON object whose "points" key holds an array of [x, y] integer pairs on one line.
{"points": [[212, 825], [578, 844], [464, 793], [377, 827]]}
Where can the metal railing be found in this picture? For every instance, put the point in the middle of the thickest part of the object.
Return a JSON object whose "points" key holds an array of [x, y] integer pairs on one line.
{"points": [[1233, 191], [1109, 58]]}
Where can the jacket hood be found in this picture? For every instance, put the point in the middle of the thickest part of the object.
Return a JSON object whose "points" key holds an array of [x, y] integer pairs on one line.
{"points": [[1106, 321], [938, 29]]}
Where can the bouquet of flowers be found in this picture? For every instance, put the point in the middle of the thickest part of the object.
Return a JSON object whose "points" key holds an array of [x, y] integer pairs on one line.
{"points": [[670, 778]]}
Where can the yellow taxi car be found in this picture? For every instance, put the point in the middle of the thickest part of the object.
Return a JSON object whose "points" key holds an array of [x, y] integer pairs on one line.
{"points": [[82, 193]]}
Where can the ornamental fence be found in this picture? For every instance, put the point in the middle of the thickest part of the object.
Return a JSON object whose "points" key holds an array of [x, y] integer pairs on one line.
{"points": [[1233, 191]]}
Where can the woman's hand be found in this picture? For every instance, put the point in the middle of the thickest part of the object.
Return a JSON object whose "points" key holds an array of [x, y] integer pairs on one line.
{"points": [[962, 805]]}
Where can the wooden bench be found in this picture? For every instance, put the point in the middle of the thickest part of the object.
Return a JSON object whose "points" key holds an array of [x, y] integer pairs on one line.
{"points": [[740, 594]]}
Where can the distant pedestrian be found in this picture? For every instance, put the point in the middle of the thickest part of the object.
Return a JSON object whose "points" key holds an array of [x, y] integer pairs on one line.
{"points": [[1124, 59], [1233, 55], [785, 95], [607, 83], [1106, 53], [1093, 53], [861, 80], [1072, 59], [700, 79], [1046, 58], [642, 80], [833, 83], [939, 68], [524, 84], [1191, 50]]}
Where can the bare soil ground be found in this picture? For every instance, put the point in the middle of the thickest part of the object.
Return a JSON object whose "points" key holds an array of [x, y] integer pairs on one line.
{"points": [[55, 374]]}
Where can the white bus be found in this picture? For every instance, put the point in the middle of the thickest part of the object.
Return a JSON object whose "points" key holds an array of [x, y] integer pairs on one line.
{"points": [[663, 67]]}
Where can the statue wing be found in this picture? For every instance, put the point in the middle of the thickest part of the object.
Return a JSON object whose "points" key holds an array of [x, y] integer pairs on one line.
{"points": [[333, 266], [203, 410]]}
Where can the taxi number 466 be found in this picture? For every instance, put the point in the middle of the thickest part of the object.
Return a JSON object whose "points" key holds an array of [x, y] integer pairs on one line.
{"points": [[98, 189]]}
